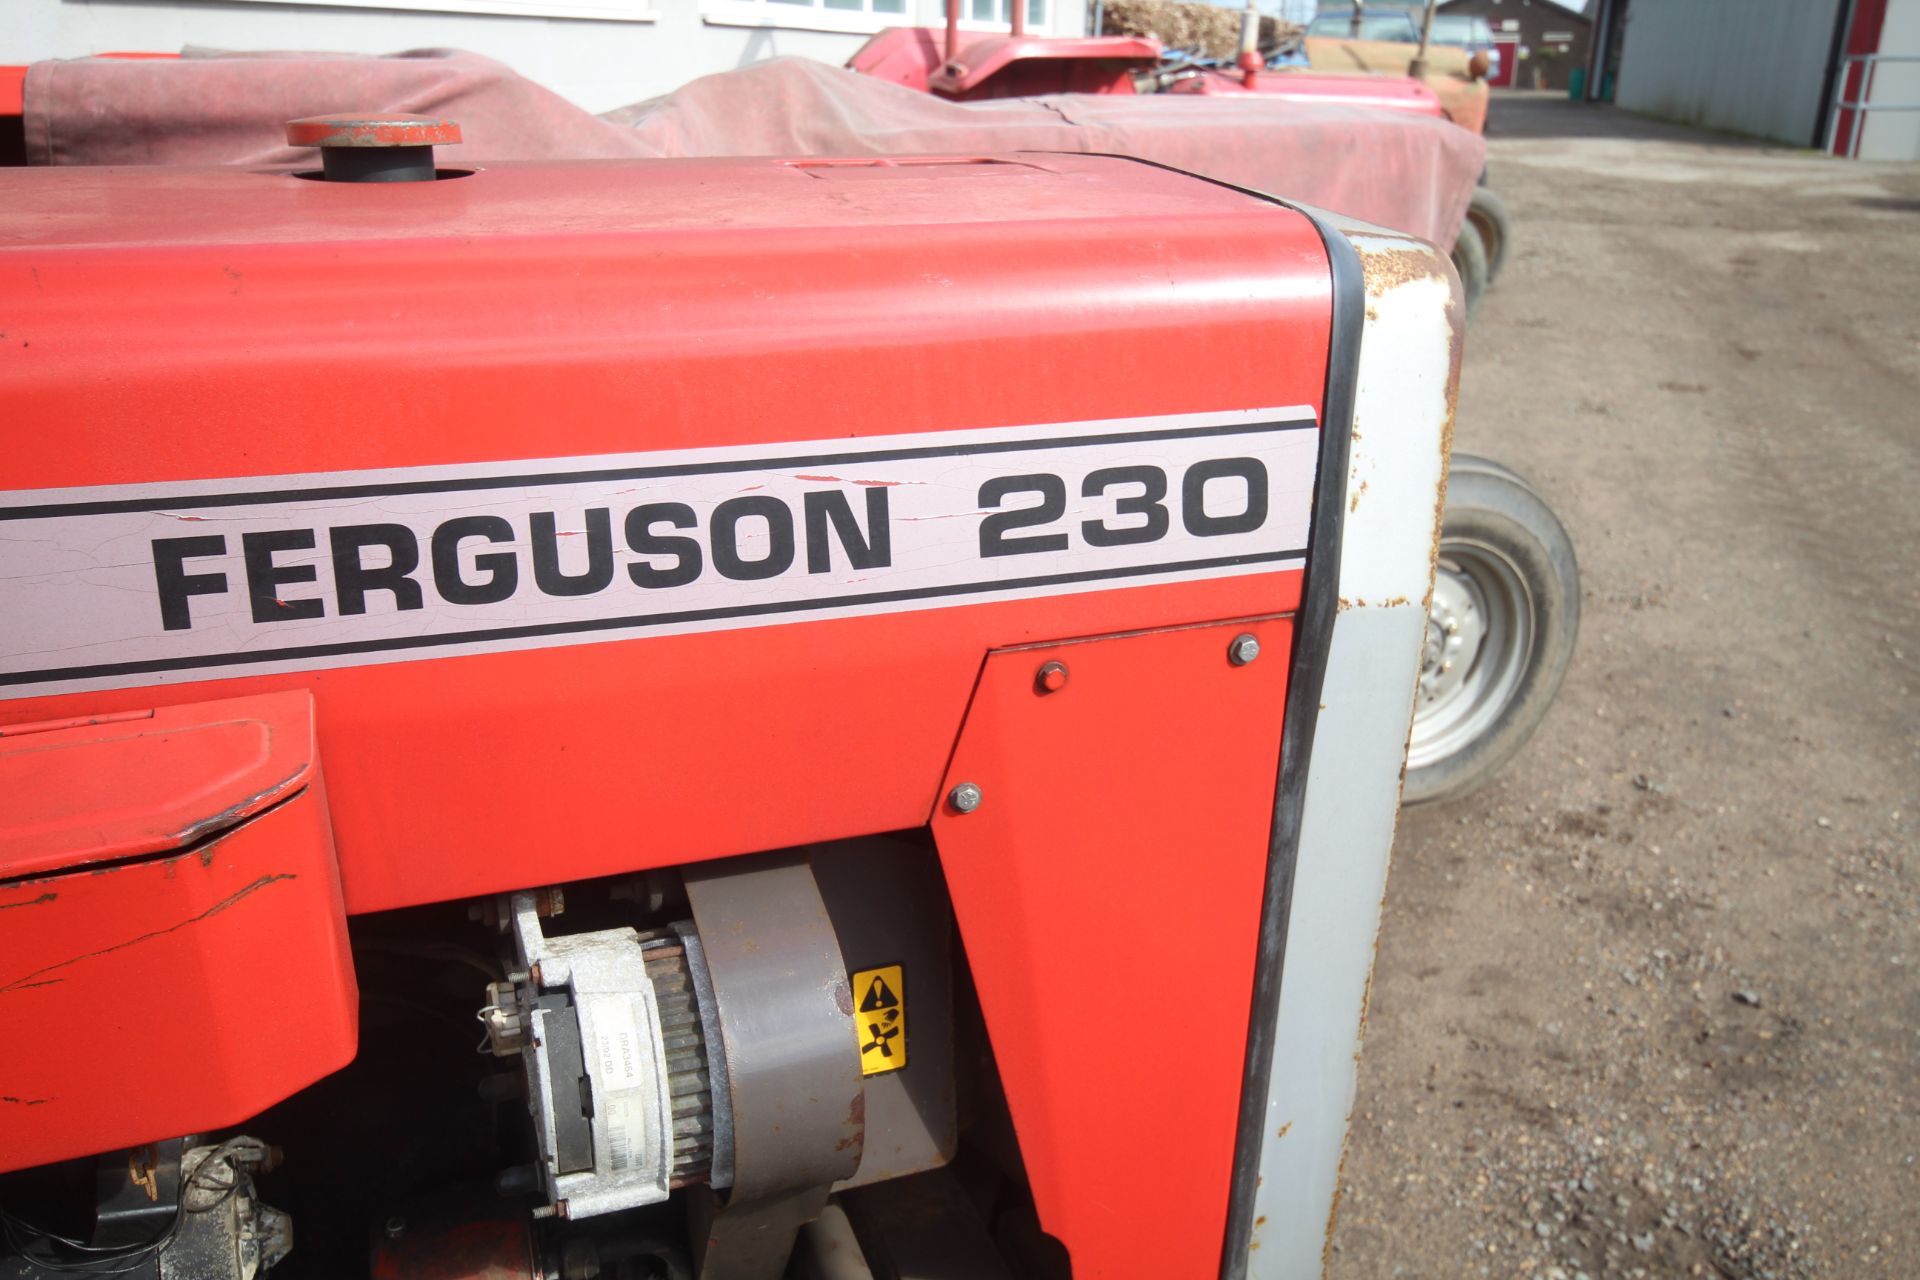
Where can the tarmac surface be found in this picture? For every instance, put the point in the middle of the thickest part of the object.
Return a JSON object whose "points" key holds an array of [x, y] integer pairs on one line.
{"points": [[1649, 1005]]}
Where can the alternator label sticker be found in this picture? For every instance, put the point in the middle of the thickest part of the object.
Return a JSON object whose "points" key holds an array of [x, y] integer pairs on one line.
{"points": [[151, 584], [880, 1012]]}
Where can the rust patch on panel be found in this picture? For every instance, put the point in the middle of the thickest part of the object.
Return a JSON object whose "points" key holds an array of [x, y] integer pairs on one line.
{"points": [[1333, 1210], [1389, 269], [1454, 353], [857, 1121]]}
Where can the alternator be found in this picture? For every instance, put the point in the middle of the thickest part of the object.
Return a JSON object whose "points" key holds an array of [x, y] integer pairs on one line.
{"points": [[619, 1036]]}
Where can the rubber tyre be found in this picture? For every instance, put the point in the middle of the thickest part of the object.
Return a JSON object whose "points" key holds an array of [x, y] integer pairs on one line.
{"points": [[1461, 463], [1470, 260], [1488, 214], [1491, 507]]}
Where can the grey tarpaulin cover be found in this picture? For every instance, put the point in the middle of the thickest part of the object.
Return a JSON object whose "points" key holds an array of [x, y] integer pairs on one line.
{"points": [[1409, 172]]}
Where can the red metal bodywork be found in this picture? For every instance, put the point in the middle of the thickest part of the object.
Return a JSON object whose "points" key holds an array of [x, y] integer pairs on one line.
{"points": [[1020, 66], [1388, 93], [170, 325], [167, 882], [990, 65], [1092, 817]]}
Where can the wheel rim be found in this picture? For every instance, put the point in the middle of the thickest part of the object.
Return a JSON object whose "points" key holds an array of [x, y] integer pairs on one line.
{"points": [[1479, 634]]}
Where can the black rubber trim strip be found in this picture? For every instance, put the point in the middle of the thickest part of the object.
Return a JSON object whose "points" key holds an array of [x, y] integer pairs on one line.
{"points": [[1312, 640]]}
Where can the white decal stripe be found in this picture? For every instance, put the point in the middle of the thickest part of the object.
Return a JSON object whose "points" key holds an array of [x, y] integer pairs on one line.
{"points": [[128, 585]]}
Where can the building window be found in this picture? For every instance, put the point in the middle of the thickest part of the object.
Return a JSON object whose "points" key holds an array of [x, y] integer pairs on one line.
{"points": [[856, 16], [999, 13], [602, 10]]}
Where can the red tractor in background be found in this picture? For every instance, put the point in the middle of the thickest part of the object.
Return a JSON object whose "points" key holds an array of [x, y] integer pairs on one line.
{"points": [[972, 65], [1506, 607]]}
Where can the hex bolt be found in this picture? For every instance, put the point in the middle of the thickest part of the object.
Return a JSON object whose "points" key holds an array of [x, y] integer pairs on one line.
{"points": [[965, 798], [1051, 677], [1244, 649]]}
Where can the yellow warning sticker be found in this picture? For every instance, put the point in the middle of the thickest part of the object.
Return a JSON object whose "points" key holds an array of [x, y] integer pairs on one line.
{"points": [[880, 1011]]}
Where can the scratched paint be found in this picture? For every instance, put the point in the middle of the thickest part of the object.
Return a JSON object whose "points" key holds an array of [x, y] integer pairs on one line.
{"points": [[38, 978]]}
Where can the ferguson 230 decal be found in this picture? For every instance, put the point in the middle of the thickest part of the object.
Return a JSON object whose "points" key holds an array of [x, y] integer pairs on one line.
{"points": [[142, 584]]}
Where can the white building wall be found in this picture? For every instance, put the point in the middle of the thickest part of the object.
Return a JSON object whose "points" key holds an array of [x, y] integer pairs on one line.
{"points": [[1750, 66], [1895, 135], [638, 49]]}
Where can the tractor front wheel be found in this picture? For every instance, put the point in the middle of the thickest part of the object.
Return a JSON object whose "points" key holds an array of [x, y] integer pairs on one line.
{"points": [[1470, 260], [1488, 214], [1500, 631]]}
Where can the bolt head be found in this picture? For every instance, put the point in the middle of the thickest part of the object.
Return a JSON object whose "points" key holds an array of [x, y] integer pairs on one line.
{"points": [[1051, 677], [965, 798], [1244, 649]]}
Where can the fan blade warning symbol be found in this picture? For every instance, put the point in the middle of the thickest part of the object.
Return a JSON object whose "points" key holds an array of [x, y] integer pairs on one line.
{"points": [[882, 1018]]}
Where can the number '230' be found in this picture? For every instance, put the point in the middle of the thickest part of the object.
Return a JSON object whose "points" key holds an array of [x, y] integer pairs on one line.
{"points": [[1148, 506]]}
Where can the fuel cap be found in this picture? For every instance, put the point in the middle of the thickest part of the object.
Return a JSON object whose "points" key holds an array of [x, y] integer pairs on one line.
{"points": [[374, 148]]}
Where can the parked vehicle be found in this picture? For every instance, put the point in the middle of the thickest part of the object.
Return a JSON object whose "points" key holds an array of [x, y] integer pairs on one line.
{"points": [[974, 65], [1393, 25], [1469, 32]]}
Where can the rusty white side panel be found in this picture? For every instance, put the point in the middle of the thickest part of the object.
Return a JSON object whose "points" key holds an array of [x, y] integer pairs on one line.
{"points": [[1403, 422]]}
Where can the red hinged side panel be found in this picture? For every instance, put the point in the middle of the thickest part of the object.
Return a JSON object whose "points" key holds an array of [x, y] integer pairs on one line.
{"points": [[98, 788], [1108, 890], [190, 985]]}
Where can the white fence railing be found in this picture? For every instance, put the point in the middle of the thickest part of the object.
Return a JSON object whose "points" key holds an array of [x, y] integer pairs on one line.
{"points": [[1861, 106]]}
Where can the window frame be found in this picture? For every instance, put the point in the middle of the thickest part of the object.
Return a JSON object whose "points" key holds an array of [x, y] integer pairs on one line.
{"points": [[589, 10], [970, 23], [813, 16]]}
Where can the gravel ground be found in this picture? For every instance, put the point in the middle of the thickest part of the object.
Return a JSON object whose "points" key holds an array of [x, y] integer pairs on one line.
{"points": [[1649, 1005]]}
